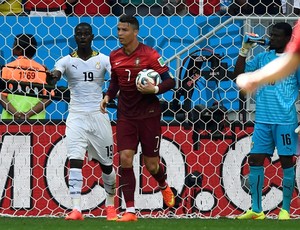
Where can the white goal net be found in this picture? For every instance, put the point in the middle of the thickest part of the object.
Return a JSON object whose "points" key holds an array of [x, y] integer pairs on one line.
{"points": [[207, 125]]}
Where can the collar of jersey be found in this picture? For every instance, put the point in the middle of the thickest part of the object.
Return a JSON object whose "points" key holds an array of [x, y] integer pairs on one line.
{"points": [[74, 54]]}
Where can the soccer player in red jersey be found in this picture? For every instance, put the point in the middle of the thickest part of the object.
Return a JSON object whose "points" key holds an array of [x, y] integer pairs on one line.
{"points": [[139, 111], [279, 68]]}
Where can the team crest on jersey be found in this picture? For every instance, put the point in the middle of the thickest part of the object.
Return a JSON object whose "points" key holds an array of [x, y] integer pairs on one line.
{"points": [[161, 61], [137, 61], [97, 65]]}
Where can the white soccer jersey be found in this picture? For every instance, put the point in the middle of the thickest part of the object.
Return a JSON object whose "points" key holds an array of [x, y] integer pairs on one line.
{"points": [[85, 80], [87, 128]]}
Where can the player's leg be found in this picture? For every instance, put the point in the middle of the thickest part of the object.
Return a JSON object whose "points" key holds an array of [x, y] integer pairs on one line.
{"points": [[127, 141], [287, 141], [76, 146], [288, 183], [150, 137], [100, 148], [75, 186], [156, 169], [127, 184], [262, 146], [256, 181], [109, 180]]}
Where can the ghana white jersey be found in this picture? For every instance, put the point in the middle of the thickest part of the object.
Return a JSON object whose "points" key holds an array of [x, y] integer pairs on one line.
{"points": [[85, 80]]}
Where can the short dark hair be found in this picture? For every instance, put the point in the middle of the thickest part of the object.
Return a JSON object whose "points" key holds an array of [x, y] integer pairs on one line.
{"points": [[84, 24], [27, 43], [131, 20], [286, 27]]}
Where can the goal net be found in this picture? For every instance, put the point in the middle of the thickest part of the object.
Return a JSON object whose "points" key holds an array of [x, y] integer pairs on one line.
{"points": [[207, 124]]}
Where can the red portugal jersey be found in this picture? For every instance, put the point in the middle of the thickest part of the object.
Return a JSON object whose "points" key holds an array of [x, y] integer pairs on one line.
{"points": [[45, 5], [209, 6], [124, 69], [294, 44], [90, 8]]}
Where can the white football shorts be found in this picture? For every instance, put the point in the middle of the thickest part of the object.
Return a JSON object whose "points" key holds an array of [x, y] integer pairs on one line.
{"points": [[90, 132]]}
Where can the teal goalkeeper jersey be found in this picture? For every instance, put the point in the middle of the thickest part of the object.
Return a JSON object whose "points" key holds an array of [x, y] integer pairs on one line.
{"points": [[275, 102]]}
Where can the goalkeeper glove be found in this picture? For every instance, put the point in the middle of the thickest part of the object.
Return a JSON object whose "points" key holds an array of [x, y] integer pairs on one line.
{"points": [[247, 45]]}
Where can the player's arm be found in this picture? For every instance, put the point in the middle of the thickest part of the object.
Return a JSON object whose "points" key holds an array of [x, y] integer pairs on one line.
{"points": [[53, 77], [279, 68], [243, 53], [239, 66], [167, 79], [111, 93], [168, 82], [106, 99], [103, 104], [273, 71]]}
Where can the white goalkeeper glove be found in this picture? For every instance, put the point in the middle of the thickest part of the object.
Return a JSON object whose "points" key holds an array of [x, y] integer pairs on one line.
{"points": [[297, 130], [246, 45]]}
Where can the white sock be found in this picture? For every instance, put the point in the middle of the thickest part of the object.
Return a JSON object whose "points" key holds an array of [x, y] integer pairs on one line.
{"points": [[75, 186], [110, 200], [130, 209], [109, 181]]}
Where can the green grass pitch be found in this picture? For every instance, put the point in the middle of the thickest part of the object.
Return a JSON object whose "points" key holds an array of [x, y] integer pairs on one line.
{"points": [[9, 223]]}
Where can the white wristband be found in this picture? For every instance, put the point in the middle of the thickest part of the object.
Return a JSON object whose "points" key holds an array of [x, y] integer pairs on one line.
{"points": [[156, 89], [243, 52]]}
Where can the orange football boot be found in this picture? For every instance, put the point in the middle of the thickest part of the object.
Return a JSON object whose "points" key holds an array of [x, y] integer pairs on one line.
{"points": [[111, 214], [127, 217], [74, 215], [168, 196]]}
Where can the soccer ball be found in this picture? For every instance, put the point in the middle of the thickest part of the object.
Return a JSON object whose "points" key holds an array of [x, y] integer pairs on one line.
{"points": [[151, 75]]}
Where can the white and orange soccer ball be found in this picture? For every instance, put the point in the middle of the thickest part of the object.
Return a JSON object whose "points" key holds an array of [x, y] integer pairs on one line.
{"points": [[151, 75]]}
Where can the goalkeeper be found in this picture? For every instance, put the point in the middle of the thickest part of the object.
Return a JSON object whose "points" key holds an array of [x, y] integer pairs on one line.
{"points": [[279, 68], [275, 122]]}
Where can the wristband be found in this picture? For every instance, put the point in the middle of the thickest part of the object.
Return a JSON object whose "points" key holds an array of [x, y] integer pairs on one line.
{"points": [[243, 52], [156, 89]]}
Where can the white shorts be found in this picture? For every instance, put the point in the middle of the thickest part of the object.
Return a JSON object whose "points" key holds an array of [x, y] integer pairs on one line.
{"points": [[92, 133]]}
